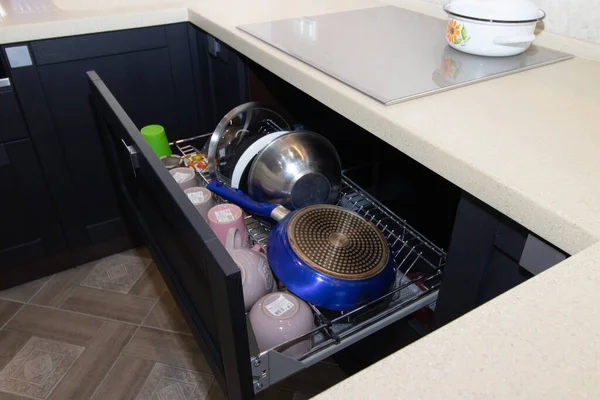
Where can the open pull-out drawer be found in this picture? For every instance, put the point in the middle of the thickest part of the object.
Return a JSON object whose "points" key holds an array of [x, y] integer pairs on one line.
{"points": [[206, 282]]}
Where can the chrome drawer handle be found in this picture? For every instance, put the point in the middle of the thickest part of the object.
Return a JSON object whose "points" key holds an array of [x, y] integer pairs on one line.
{"points": [[5, 82], [133, 156]]}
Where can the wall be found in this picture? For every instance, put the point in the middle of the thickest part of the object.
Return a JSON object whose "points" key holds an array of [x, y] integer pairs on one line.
{"points": [[579, 19]]}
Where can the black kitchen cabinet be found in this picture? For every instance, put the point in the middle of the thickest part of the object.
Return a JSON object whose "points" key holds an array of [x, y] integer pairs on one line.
{"points": [[489, 254], [220, 78], [151, 71], [30, 231], [228, 78]]}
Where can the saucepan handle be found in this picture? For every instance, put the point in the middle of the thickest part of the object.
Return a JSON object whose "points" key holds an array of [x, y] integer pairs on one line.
{"points": [[514, 39], [241, 199]]}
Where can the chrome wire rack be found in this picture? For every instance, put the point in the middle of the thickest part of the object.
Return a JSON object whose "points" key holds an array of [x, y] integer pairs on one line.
{"points": [[418, 261]]}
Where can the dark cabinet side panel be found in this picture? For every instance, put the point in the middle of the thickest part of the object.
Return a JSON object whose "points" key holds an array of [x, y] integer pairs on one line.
{"points": [[30, 228], [483, 259]]}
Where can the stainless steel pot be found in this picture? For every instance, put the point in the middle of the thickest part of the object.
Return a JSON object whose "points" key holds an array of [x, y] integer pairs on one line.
{"points": [[245, 122], [296, 170], [254, 149]]}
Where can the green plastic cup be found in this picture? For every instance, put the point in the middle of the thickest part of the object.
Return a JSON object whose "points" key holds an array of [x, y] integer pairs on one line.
{"points": [[157, 139]]}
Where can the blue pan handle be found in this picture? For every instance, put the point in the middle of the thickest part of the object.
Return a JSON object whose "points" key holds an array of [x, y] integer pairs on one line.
{"points": [[240, 198]]}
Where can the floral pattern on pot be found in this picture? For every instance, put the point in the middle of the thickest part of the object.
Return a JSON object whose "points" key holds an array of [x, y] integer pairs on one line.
{"points": [[457, 34]]}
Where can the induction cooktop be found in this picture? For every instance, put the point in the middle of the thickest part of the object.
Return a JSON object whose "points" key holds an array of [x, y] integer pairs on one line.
{"points": [[390, 53]]}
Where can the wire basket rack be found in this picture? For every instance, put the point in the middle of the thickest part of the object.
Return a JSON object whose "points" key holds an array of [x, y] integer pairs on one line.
{"points": [[418, 261]]}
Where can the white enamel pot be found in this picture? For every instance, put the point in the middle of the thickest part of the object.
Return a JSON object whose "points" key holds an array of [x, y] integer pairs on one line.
{"points": [[491, 27]]}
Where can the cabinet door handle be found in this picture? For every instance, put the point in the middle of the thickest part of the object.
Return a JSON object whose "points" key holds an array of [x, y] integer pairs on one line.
{"points": [[215, 49], [133, 156]]}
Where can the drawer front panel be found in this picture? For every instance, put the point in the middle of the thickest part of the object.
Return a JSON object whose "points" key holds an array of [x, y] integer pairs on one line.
{"points": [[201, 275]]}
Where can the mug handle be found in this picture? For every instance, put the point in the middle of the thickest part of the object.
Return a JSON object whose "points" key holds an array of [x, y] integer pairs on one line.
{"points": [[234, 239], [514, 39]]}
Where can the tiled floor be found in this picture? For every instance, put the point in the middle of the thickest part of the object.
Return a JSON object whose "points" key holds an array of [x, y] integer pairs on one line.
{"points": [[110, 330]]}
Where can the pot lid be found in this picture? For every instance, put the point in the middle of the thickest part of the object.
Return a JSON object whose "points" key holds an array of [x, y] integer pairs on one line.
{"points": [[237, 129], [496, 10]]}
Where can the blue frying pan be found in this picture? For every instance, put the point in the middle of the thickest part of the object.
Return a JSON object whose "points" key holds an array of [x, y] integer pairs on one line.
{"points": [[327, 255]]}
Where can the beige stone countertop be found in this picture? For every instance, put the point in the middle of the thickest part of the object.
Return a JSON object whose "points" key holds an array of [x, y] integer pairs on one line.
{"points": [[540, 340], [526, 144]]}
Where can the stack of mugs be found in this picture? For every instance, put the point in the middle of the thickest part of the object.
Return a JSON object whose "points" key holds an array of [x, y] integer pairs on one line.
{"points": [[276, 316]]}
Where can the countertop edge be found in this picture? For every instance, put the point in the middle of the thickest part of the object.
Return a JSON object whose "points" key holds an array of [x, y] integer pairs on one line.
{"points": [[512, 347], [543, 222]]}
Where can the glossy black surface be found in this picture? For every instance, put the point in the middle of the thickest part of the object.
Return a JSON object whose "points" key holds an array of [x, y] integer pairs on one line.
{"points": [[483, 259]]}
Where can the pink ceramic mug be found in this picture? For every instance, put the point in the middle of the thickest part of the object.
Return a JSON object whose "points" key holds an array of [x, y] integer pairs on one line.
{"points": [[223, 217], [185, 177], [257, 278], [279, 317], [202, 199]]}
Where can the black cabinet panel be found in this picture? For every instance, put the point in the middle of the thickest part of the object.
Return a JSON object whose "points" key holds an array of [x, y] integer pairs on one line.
{"points": [[151, 72], [201, 75], [200, 274], [228, 77], [96, 45], [510, 239], [502, 274], [12, 125], [141, 82], [182, 75], [161, 75], [30, 228], [483, 259], [48, 146]]}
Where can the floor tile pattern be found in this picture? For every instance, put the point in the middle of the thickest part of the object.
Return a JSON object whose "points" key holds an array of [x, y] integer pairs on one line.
{"points": [[118, 272], [110, 330], [167, 382], [38, 367]]}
